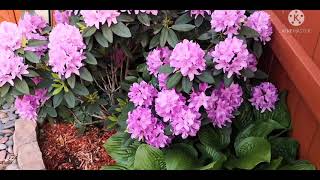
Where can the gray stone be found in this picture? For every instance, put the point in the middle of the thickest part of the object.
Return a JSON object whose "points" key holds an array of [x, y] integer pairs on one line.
{"points": [[12, 116], [30, 157], [3, 155], [10, 149], [8, 125], [9, 143], [3, 146], [10, 137], [3, 115], [5, 120], [6, 106], [13, 166], [6, 131]]}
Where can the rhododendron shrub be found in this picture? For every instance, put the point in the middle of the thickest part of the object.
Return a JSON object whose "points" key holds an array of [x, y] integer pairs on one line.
{"points": [[182, 88]]}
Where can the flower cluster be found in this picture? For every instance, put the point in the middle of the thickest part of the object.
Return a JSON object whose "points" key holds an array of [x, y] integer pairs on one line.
{"points": [[66, 50], [222, 103], [188, 58], [199, 12], [260, 21], [199, 98], [264, 96], [142, 94], [95, 17], [227, 21], [27, 106], [153, 12], [12, 65], [62, 16], [32, 27], [156, 58], [231, 55]]}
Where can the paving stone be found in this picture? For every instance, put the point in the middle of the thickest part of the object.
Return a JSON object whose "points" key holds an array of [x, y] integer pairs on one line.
{"points": [[3, 154], [24, 133], [3, 146], [30, 157], [4, 140], [9, 142], [9, 124], [13, 166]]}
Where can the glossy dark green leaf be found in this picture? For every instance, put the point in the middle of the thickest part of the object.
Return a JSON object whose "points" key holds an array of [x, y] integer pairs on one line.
{"points": [[85, 74], [21, 86], [163, 36], [186, 84], [89, 31], [101, 39], [70, 99], [32, 57], [183, 27], [107, 33], [172, 38], [121, 30], [173, 80], [90, 59]]}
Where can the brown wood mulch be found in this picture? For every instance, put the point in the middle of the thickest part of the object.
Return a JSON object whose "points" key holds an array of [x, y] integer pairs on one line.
{"points": [[63, 149]]}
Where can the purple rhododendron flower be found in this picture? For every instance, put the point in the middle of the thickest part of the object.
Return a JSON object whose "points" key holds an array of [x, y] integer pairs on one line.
{"points": [[222, 103], [95, 17], [167, 103], [252, 62], [162, 79], [231, 56], [199, 98], [31, 27], [62, 16], [142, 125], [27, 106], [142, 94], [260, 21], [156, 58], [188, 58], [12, 66], [10, 36], [227, 21], [66, 50], [264, 96], [186, 122], [199, 12]]}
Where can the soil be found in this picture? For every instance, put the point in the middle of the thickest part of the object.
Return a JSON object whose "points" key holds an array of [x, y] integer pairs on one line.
{"points": [[64, 149]]}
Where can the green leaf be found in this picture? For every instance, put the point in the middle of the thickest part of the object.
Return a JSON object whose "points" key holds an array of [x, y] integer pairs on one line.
{"points": [[273, 165], [142, 67], [57, 99], [247, 73], [122, 118], [85, 74], [183, 27], [70, 99], [4, 89], [21, 86], [198, 21], [227, 81], [114, 167], [258, 129], [216, 164], [245, 118], [186, 84], [31, 74], [149, 158], [51, 111], [204, 36], [72, 81], [260, 75], [284, 147], [215, 138], [89, 31], [257, 49], [101, 39], [299, 165], [107, 33], [35, 42], [57, 90], [206, 76], [32, 57], [131, 79], [173, 80], [80, 90], [183, 19], [125, 18], [90, 59], [248, 32], [144, 19], [178, 157], [124, 155], [121, 30], [172, 38], [163, 36], [166, 69], [154, 41], [252, 151]]}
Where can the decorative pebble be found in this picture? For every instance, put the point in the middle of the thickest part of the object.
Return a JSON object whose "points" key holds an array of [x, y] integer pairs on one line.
{"points": [[5, 120], [10, 138], [3, 146], [6, 106], [12, 116], [10, 142], [3, 155], [10, 149], [6, 131], [12, 166], [3, 140], [8, 125], [3, 115]]}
